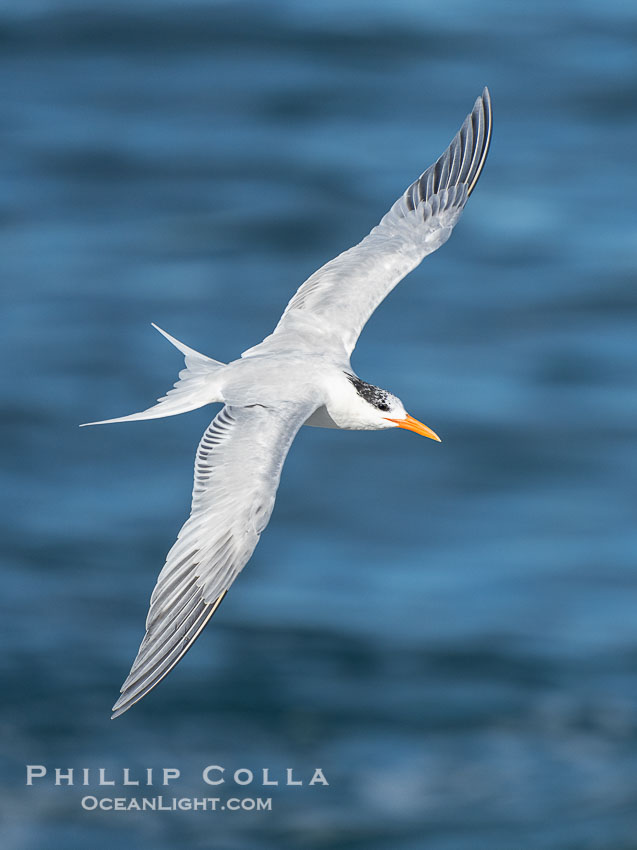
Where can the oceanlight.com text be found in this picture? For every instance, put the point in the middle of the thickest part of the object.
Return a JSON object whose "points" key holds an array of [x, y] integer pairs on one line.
{"points": [[160, 803]]}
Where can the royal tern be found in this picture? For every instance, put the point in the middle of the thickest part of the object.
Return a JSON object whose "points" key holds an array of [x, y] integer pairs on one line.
{"points": [[299, 375]]}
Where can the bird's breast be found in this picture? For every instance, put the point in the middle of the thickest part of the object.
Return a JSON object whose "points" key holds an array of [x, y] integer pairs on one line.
{"points": [[321, 419]]}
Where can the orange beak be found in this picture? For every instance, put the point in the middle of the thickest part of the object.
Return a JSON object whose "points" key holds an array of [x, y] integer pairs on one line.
{"points": [[412, 424]]}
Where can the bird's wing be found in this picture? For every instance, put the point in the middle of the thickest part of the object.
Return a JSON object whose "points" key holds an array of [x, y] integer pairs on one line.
{"points": [[237, 471], [333, 305]]}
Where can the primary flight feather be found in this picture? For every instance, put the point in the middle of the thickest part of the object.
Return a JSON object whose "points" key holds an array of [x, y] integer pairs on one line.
{"points": [[299, 375]]}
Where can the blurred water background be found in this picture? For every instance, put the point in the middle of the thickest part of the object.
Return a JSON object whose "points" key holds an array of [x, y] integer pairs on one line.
{"points": [[449, 631]]}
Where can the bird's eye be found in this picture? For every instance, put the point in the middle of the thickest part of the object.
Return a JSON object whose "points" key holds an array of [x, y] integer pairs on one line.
{"points": [[384, 407]]}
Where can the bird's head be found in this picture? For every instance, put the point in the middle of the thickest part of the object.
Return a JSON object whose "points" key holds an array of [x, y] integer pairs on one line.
{"points": [[374, 409]]}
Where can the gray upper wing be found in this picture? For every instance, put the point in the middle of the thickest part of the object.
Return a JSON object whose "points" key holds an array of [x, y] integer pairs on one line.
{"points": [[237, 470], [333, 305]]}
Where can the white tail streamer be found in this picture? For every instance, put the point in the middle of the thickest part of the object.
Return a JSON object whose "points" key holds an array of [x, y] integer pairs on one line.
{"points": [[196, 387]]}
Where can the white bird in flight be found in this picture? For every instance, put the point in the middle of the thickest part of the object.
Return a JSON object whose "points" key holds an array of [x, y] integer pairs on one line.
{"points": [[299, 375]]}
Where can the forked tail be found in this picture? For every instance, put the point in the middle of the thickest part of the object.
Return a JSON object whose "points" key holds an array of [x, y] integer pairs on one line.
{"points": [[197, 386]]}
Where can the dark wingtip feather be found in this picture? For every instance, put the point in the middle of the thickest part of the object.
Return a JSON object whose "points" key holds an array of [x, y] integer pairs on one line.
{"points": [[132, 690], [483, 103], [463, 160]]}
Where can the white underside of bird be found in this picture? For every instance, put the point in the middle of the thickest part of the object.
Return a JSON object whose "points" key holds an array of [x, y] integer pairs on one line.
{"points": [[300, 374]]}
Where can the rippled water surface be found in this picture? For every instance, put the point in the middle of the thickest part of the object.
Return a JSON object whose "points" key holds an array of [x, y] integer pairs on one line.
{"points": [[448, 631]]}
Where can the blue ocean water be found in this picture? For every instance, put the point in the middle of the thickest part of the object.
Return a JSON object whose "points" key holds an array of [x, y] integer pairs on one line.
{"points": [[448, 631]]}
